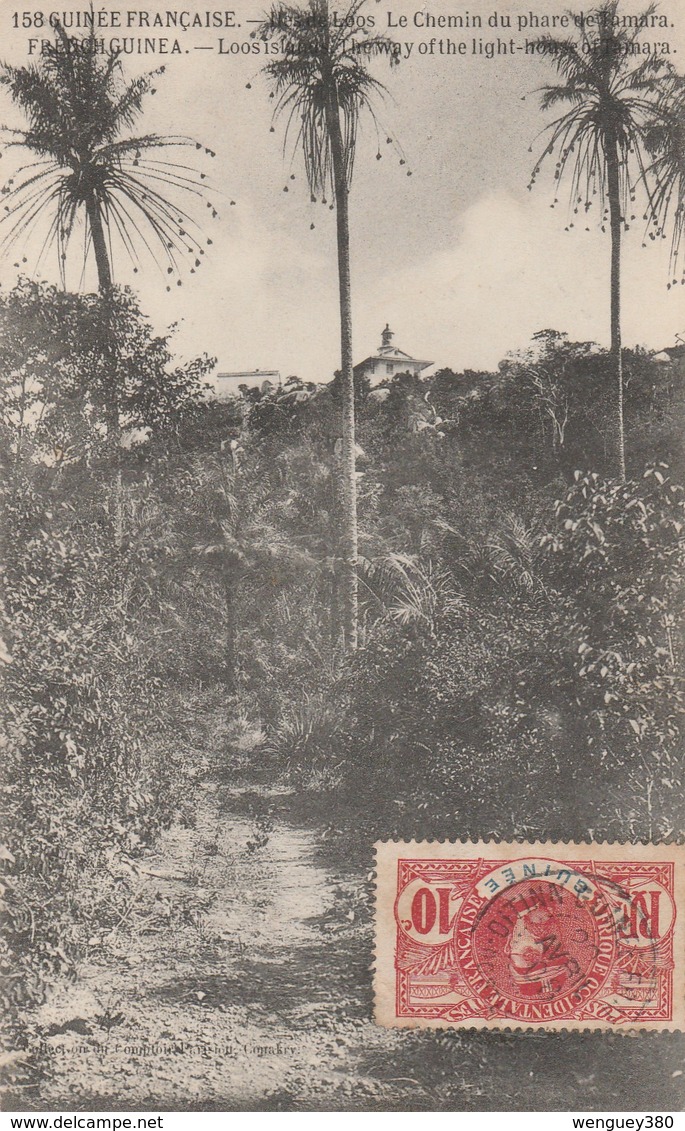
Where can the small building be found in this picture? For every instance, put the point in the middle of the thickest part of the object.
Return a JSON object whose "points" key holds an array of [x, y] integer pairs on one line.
{"points": [[388, 361], [228, 384]]}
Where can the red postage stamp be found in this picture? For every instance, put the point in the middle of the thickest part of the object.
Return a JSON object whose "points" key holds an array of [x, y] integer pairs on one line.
{"points": [[539, 936]]}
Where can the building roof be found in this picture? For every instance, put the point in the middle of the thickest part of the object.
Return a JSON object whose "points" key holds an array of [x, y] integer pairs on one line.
{"points": [[388, 352], [250, 376], [228, 385]]}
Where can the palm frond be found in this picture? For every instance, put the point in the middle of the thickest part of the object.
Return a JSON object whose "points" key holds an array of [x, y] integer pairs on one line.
{"points": [[665, 143], [612, 103], [76, 105], [514, 553], [324, 61], [413, 591]]}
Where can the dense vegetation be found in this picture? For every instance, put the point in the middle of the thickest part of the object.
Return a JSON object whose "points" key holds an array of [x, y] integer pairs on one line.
{"points": [[447, 606], [520, 612]]}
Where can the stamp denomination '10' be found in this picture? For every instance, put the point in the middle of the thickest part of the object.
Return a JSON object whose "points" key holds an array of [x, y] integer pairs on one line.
{"points": [[549, 936]]}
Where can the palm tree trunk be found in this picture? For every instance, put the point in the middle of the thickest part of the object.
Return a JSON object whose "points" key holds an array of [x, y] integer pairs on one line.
{"points": [[104, 270], [348, 461], [615, 222], [97, 232]]}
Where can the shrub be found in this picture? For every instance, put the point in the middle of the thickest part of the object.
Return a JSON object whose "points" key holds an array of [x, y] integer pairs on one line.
{"points": [[617, 555], [83, 773]]}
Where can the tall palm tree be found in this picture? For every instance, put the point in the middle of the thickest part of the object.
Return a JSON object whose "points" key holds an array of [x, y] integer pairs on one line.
{"points": [[79, 110], [599, 140], [666, 143], [322, 85]]}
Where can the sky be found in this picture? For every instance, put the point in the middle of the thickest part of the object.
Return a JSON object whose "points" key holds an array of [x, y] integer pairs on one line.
{"points": [[460, 258]]}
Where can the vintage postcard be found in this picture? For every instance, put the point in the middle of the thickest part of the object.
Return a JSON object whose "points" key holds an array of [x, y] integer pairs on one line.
{"points": [[342, 402], [549, 936]]}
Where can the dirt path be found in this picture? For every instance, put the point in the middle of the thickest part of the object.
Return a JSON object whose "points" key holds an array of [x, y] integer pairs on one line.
{"points": [[217, 987], [239, 979]]}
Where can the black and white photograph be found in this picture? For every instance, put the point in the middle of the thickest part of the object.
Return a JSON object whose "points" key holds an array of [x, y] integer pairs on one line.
{"points": [[342, 402]]}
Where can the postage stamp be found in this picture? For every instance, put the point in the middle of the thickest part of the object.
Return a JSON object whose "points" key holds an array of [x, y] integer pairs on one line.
{"points": [[537, 935]]}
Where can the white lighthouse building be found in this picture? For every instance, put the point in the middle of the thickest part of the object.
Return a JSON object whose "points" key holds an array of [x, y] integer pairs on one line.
{"points": [[388, 360]]}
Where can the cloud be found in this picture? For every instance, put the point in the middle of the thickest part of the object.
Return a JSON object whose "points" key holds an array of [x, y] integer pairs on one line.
{"points": [[264, 298], [511, 270]]}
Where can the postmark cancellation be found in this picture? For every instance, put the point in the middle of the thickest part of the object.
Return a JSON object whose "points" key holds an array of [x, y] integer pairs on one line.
{"points": [[536, 935]]}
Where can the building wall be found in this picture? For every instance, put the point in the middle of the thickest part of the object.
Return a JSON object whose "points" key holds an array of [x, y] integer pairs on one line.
{"points": [[383, 370]]}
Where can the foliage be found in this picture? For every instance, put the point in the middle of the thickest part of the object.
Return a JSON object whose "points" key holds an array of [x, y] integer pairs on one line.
{"points": [[80, 771], [609, 101], [79, 107], [475, 602], [623, 548], [665, 141], [545, 412], [66, 359], [178, 606], [518, 618], [90, 763], [323, 55], [324, 86], [306, 736], [610, 106]]}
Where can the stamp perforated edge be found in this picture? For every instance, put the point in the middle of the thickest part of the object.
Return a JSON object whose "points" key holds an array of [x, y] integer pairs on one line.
{"points": [[388, 852]]}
